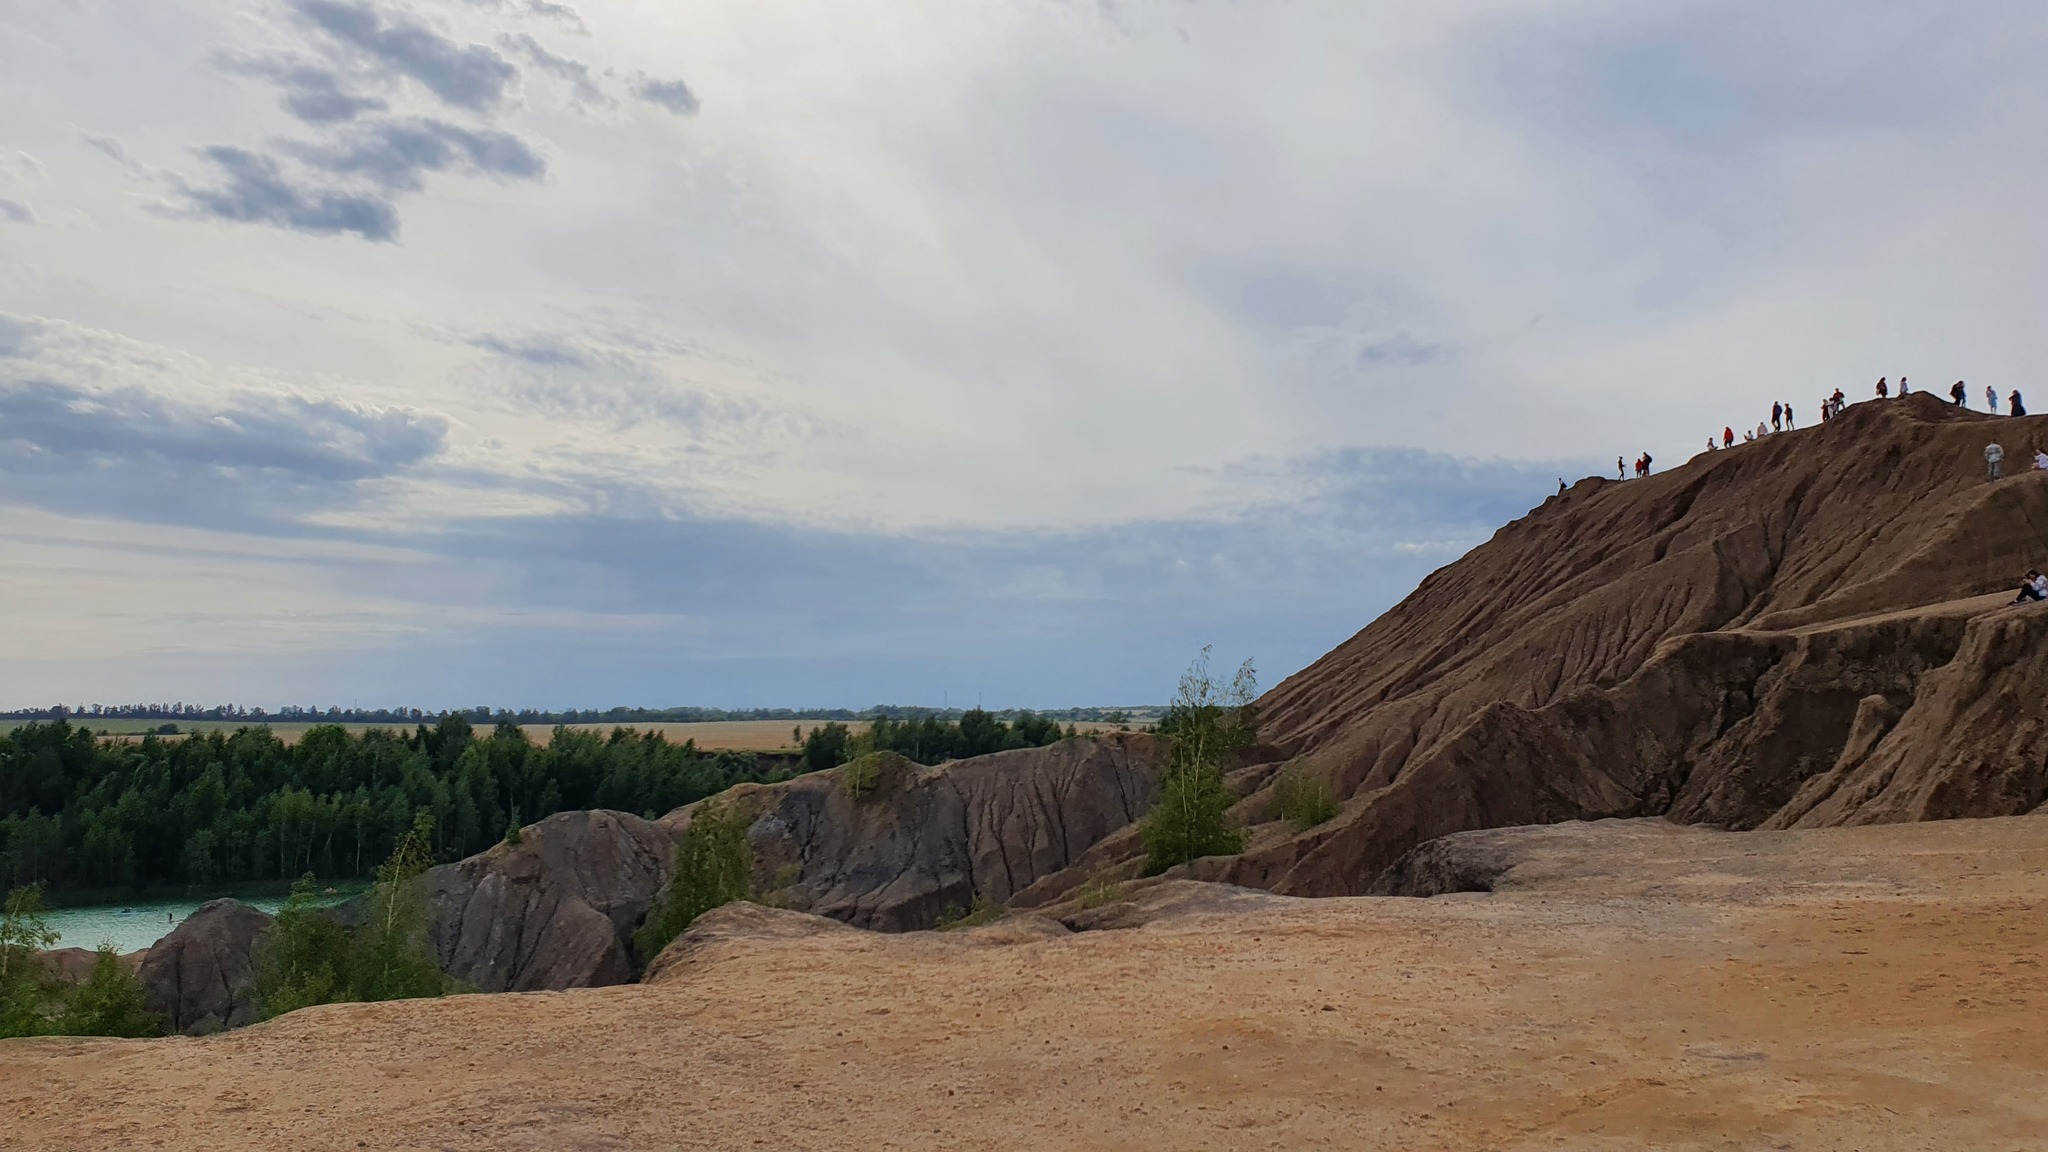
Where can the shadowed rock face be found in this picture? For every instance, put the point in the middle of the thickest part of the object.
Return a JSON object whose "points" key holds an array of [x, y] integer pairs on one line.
{"points": [[1806, 631], [555, 911], [921, 842], [202, 976]]}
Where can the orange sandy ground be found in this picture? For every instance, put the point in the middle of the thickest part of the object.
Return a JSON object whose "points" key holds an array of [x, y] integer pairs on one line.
{"points": [[1732, 1003]]}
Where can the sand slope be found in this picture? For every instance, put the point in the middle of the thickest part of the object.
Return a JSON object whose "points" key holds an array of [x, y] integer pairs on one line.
{"points": [[1865, 988]]}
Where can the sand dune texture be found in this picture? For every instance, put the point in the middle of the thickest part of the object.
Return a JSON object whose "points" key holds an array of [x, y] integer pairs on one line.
{"points": [[1628, 985]]}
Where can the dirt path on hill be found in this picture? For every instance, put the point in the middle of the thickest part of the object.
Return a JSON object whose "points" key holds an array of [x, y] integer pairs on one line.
{"points": [[1774, 998]]}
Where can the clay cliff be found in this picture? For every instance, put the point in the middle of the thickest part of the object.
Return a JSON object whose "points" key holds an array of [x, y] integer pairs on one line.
{"points": [[1809, 630], [915, 844], [557, 910], [202, 977]]}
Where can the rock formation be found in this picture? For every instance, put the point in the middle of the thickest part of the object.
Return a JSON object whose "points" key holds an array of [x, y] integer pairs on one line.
{"points": [[891, 845], [1809, 630], [554, 911], [741, 921], [201, 977]]}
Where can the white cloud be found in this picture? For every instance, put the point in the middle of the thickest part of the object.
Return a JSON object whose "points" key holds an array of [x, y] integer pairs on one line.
{"points": [[921, 267]]}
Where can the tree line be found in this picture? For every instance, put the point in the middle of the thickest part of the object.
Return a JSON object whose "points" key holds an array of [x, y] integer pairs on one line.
{"points": [[219, 809], [931, 739]]}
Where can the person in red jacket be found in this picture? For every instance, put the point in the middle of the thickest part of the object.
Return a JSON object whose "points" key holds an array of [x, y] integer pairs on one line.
{"points": [[1728, 437]]}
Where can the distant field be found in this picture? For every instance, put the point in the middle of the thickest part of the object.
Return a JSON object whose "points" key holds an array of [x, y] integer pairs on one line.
{"points": [[712, 736]]}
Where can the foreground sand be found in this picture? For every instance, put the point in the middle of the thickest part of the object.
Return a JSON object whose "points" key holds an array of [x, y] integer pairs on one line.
{"points": [[1865, 988]]}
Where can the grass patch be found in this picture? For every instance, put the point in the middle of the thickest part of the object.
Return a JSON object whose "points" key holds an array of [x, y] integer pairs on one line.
{"points": [[1099, 891], [1302, 800], [982, 912]]}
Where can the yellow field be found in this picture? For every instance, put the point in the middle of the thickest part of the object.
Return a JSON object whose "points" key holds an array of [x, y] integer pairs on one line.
{"points": [[711, 736]]}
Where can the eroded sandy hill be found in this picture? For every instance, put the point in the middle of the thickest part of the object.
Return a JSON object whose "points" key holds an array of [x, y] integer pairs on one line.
{"points": [[1627, 986], [1802, 632]]}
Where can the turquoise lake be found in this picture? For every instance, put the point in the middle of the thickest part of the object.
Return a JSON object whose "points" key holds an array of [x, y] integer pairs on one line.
{"points": [[128, 926]]}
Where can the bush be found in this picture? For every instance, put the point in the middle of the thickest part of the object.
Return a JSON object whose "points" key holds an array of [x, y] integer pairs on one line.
{"points": [[308, 958], [33, 1003], [714, 867], [108, 1003], [1302, 800], [1206, 721]]}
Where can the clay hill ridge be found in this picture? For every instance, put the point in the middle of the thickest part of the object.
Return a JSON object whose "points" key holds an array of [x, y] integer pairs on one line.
{"points": [[1807, 631]]}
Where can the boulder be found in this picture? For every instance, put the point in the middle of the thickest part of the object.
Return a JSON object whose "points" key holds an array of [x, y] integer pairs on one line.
{"points": [[556, 910], [201, 977], [888, 844]]}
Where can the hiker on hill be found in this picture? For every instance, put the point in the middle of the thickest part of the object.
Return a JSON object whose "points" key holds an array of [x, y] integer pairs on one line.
{"points": [[1958, 393], [1882, 391], [1620, 469], [1902, 386], [1777, 416], [2034, 587], [1838, 401], [2018, 408], [1993, 457], [1826, 410], [1560, 485], [1727, 437], [1990, 399], [1788, 415], [1646, 463]]}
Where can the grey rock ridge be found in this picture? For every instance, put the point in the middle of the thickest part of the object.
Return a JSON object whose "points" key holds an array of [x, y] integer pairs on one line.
{"points": [[202, 977], [918, 843], [556, 910]]}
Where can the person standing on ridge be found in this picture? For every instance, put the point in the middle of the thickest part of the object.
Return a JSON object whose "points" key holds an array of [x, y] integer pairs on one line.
{"points": [[1788, 415], [1993, 457], [1882, 391], [1957, 393], [1646, 463], [1902, 386], [1728, 437], [1991, 399], [1777, 415], [1620, 469], [2018, 409]]}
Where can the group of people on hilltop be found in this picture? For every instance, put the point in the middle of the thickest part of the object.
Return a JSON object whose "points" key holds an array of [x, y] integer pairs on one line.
{"points": [[1642, 467], [1832, 405], [1781, 421]]}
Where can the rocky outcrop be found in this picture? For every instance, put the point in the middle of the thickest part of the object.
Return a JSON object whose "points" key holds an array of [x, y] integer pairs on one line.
{"points": [[554, 911], [202, 977], [1804, 631], [888, 844], [732, 923]]}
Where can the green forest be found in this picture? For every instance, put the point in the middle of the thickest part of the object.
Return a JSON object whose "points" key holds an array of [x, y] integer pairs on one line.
{"points": [[86, 815], [209, 811]]}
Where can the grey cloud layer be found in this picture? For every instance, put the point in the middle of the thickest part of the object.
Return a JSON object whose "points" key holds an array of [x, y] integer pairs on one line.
{"points": [[254, 189], [347, 180], [468, 76], [673, 95]]}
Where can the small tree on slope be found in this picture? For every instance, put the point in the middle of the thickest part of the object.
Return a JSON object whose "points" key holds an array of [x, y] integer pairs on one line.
{"points": [[1207, 720]]}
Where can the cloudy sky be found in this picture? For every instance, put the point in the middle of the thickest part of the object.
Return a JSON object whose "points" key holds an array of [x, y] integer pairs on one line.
{"points": [[443, 352]]}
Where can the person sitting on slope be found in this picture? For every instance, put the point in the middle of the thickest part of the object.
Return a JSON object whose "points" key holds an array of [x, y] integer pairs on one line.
{"points": [[2034, 587]]}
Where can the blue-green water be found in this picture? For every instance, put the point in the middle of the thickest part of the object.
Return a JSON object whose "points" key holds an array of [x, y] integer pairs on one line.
{"points": [[129, 926]]}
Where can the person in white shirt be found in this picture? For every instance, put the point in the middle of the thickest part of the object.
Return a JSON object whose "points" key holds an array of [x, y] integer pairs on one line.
{"points": [[1990, 398], [2034, 587], [1993, 456]]}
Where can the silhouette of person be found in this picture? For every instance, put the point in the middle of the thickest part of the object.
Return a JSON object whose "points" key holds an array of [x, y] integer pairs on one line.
{"points": [[1728, 437], [2013, 401], [1788, 415], [1958, 393], [1777, 416], [1882, 390], [1990, 399], [1560, 485], [1646, 463], [1902, 386], [1620, 469]]}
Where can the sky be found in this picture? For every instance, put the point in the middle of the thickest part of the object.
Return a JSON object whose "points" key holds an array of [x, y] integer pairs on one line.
{"points": [[548, 354]]}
